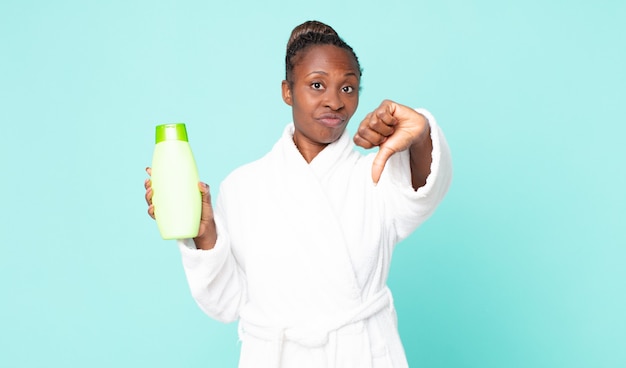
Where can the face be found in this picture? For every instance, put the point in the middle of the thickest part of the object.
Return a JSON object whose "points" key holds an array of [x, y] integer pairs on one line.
{"points": [[324, 95]]}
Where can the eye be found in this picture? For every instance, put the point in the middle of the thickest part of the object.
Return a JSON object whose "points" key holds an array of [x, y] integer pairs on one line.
{"points": [[316, 85], [347, 89]]}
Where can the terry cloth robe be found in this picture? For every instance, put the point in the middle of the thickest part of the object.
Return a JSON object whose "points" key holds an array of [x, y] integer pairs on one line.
{"points": [[303, 253]]}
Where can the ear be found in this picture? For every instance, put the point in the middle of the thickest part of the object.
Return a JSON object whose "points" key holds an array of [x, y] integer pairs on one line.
{"points": [[286, 93]]}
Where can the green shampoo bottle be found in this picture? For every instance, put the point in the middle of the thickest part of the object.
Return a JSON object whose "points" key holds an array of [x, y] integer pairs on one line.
{"points": [[176, 197]]}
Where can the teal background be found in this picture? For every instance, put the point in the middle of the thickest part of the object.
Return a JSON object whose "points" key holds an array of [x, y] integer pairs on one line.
{"points": [[523, 265]]}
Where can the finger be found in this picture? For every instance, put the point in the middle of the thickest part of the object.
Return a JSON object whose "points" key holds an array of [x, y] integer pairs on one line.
{"points": [[204, 190], [207, 211], [204, 187], [147, 184], [358, 140], [151, 211], [149, 170], [381, 127], [379, 163], [370, 137], [362, 142], [385, 115], [381, 122], [148, 196]]}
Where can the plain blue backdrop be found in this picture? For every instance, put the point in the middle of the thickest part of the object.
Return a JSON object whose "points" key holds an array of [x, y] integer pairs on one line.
{"points": [[523, 265]]}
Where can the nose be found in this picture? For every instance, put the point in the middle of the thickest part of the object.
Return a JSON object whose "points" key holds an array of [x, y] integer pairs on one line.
{"points": [[333, 100]]}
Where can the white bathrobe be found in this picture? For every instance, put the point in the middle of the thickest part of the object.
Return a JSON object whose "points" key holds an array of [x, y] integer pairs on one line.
{"points": [[304, 250]]}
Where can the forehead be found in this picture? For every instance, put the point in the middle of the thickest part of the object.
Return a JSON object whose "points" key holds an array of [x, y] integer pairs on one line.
{"points": [[326, 58]]}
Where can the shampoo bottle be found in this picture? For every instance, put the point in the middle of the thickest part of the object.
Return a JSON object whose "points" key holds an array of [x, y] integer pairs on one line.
{"points": [[176, 197]]}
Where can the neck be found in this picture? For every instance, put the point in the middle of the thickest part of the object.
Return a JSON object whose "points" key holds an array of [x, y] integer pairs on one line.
{"points": [[308, 150]]}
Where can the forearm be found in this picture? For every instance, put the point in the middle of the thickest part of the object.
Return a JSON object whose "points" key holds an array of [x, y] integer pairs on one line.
{"points": [[215, 280], [420, 153]]}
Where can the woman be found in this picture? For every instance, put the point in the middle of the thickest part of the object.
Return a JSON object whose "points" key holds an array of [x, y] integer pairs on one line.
{"points": [[299, 245]]}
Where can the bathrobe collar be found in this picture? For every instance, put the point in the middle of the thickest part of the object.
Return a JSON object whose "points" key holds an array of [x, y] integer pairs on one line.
{"points": [[325, 160]]}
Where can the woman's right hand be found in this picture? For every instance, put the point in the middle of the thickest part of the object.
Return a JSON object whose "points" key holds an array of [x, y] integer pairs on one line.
{"points": [[207, 233], [148, 185]]}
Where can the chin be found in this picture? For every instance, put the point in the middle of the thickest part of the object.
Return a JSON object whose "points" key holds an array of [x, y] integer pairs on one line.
{"points": [[331, 135]]}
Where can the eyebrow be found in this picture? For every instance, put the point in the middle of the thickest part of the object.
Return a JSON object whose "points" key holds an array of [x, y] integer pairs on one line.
{"points": [[324, 73]]}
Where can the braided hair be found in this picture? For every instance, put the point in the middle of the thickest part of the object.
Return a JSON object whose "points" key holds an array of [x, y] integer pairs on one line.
{"points": [[309, 34]]}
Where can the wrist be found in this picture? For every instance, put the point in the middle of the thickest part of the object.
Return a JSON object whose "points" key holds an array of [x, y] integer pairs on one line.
{"points": [[206, 238], [424, 136]]}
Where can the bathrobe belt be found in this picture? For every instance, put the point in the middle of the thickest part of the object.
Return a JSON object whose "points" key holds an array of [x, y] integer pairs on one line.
{"points": [[319, 336]]}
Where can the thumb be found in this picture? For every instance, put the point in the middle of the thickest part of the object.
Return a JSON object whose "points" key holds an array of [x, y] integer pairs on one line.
{"points": [[379, 162], [204, 190]]}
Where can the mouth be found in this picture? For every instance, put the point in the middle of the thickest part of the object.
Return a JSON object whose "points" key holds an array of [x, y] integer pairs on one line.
{"points": [[331, 120]]}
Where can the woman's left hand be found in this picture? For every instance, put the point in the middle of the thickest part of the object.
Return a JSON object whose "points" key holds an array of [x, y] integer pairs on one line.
{"points": [[393, 128]]}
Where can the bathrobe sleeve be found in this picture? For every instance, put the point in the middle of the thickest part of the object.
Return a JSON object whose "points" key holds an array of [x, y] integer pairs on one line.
{"points": [[214, 276], [405, 207]]}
